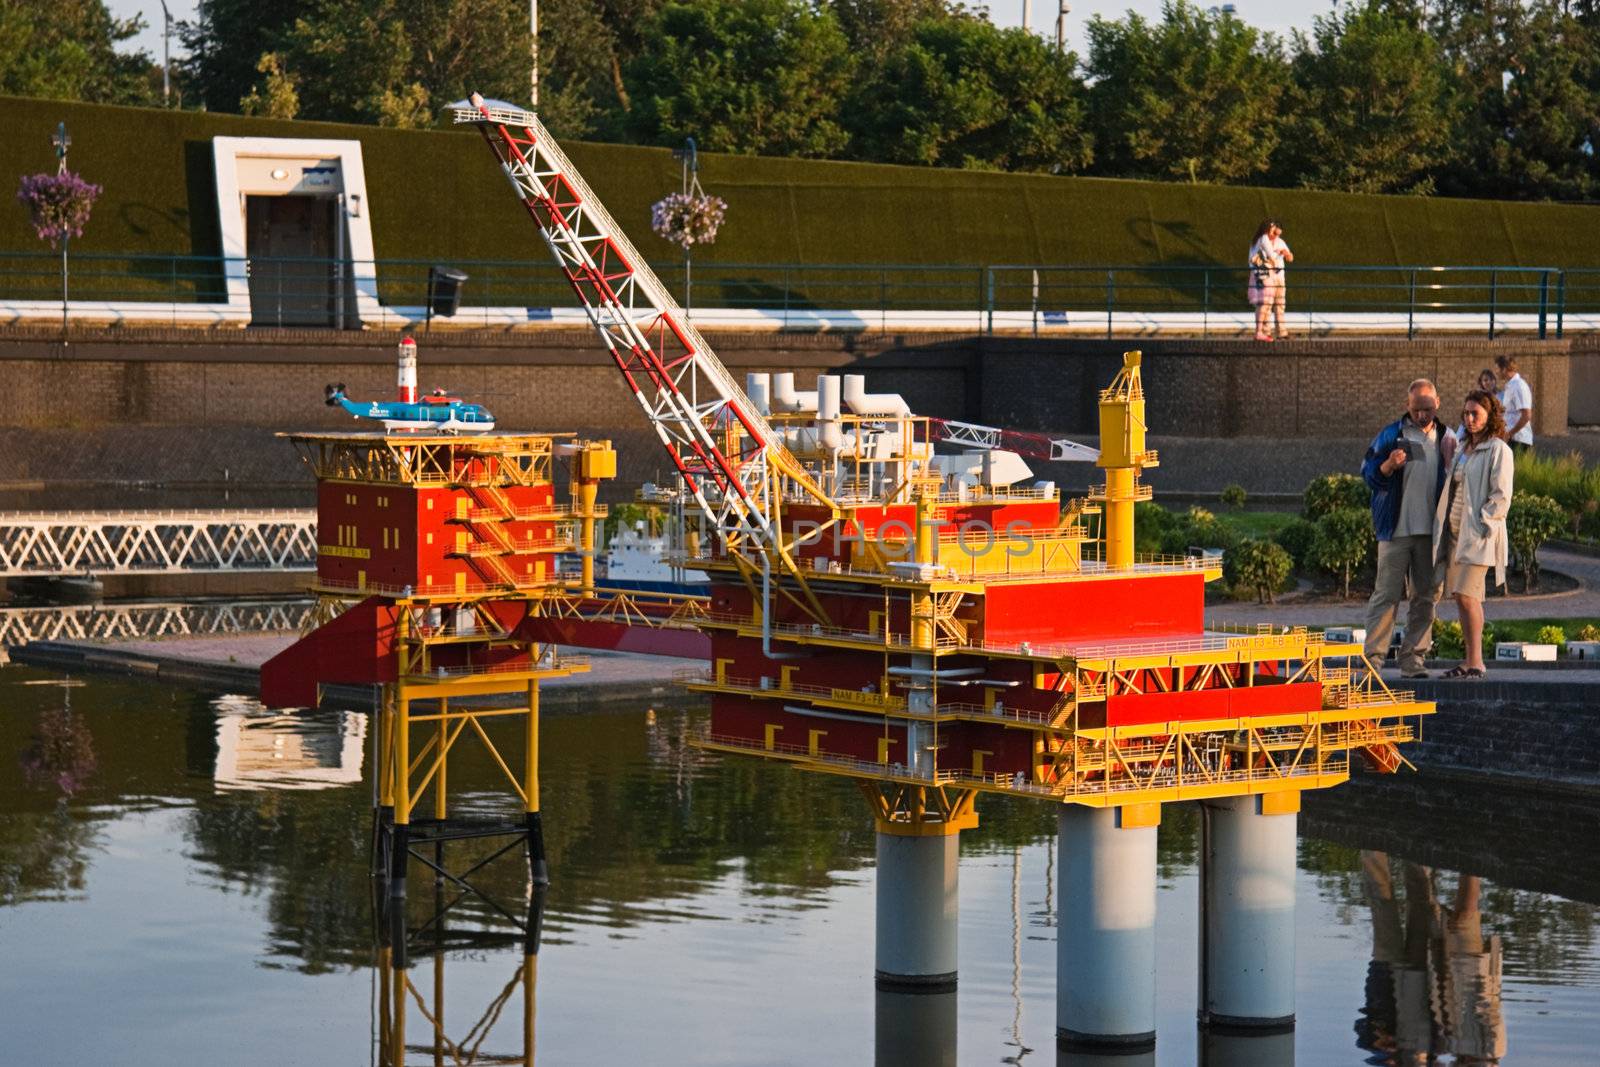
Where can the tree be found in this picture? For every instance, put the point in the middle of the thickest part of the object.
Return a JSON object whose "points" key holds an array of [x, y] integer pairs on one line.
{"points": [[226, 43], [391, 62], [356, 63], [745, 76], [960, 92], [66, 50], [278, 98], [1195, 97], [1344, 538], [876, 27], [1531, 522], [1369, 112], [1258, 565], [1549, 113], [1328, 492]]}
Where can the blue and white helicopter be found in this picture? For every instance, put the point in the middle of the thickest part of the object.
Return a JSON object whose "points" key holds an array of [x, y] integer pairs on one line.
{"points": [[435, 412]]}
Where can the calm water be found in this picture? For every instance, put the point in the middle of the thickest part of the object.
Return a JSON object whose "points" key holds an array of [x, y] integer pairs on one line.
{"points": [[184, 880]]}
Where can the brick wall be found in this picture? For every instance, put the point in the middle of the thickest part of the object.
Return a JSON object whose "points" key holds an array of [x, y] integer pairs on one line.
{"points": [[143, 404], [1305, 389], [1528, 732]]}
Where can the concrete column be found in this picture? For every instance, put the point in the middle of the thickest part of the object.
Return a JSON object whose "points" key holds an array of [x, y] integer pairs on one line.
{"points": [[914, 1029], [918, 904], [1106, 939], [1247, 867]]}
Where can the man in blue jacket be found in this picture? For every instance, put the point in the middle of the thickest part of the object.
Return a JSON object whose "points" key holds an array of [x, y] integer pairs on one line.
{"points": [[1406, 466]]}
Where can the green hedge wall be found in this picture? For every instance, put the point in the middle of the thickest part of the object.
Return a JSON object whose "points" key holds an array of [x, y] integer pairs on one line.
{"points": [[437, 195]]}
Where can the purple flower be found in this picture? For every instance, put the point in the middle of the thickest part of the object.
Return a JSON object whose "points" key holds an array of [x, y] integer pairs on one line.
{"points": [[687, 219], [58, 204]]}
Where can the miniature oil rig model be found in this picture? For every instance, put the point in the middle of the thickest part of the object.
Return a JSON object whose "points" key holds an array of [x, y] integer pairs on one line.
{"points": [[934, 627]]}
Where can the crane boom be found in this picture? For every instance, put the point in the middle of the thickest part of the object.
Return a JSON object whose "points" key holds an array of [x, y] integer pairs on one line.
{"points": [[1022, 442], [730, 459]]}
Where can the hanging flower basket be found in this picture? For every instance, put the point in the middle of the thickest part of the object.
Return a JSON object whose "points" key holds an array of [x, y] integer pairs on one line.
{"points": [[687, 219], [58, 204]]}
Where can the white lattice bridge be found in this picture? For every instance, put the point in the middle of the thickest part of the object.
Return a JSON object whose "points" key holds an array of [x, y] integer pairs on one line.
{"points": [[68, 543]]}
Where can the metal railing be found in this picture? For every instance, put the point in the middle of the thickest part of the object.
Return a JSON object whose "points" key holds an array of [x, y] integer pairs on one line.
{"points": [[290, 291]]}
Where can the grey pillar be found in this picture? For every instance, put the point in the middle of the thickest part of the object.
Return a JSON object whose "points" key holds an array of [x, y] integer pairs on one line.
{"points": [[918, 904], [1247, 867], [1106, 932], [915, 1029]]}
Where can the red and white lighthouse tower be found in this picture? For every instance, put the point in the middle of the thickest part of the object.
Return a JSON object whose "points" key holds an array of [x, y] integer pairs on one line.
{"points": [[407, 371]]}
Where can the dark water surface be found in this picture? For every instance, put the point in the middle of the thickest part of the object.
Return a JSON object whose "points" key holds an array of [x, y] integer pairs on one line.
{"points": [[184, 880]]}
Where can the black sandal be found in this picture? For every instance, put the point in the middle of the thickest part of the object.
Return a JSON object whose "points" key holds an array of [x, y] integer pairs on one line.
{"points": [[1460, 672], [1474, 672]]}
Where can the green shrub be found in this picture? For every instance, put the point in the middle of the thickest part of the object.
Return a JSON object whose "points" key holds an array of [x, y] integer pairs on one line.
{"points": [[1197, 528], [1551, 635], [1532, 521], [1234, 497], [1296, 539], [1564, 479], [1260, 566], [1343, 542], [1448, 640], [1330, 492], [1151, 524]]}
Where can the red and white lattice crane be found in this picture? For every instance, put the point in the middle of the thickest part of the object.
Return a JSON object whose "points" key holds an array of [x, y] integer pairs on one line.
{"points": [[687, 394]]}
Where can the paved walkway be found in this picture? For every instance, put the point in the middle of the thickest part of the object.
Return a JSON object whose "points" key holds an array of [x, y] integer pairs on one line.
{"points": [[1583, 602]]}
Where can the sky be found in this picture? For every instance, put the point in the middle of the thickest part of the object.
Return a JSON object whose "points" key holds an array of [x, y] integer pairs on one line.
{"points": [[1279, 16]]}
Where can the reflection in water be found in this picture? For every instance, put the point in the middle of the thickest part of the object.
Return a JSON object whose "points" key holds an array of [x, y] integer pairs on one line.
{"points": [[915, 1029], [670, 864], [1065, 1058], [1433, 986], [1220, 1049], [262, 749], [409, 1014], [61, 754]]}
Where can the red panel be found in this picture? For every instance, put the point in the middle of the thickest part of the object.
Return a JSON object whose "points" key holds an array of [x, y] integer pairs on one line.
{"points": [[1113, 609], [356, 648], [1140, 709], [747, 720]]}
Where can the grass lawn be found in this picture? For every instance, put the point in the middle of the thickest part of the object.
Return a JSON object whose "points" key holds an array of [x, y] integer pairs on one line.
{"points": [[1257, 524]]}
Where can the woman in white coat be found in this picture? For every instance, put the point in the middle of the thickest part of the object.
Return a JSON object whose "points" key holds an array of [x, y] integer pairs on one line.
{"points": [[1469, 526]]}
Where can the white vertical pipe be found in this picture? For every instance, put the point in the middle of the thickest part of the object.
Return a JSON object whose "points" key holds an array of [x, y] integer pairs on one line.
{"points": [[758, 386], [1247, 867], [918, 905], [829, 431], [1106, 932]]}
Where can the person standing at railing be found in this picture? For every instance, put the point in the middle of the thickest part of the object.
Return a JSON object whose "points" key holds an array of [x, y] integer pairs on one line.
{"points": [[1517, 400], [1405, 467], [1268, 254]]}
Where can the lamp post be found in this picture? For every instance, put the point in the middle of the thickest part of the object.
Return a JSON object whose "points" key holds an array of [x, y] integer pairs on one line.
{"points": [[62, 141], [1061, 25], [533, 52], [689, 156], [166, 54]]}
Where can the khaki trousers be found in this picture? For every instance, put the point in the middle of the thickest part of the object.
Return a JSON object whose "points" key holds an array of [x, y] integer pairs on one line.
{"points": [[1405, 569]]}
